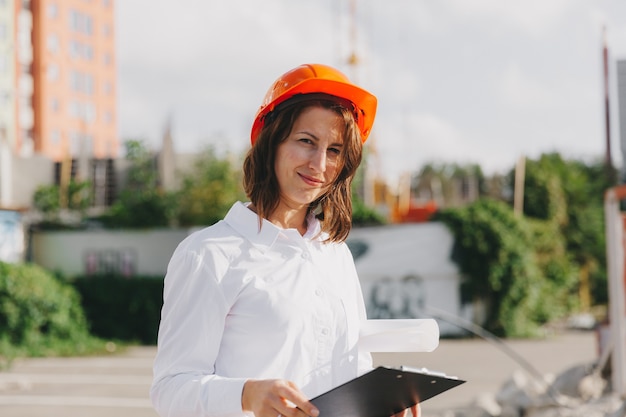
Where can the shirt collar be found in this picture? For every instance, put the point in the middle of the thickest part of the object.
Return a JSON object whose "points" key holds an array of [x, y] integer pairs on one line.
{"points": [[246, 222]]}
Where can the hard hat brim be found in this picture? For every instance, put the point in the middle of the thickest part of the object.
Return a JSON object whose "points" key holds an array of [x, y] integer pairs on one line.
{"points": [[364, 102]]}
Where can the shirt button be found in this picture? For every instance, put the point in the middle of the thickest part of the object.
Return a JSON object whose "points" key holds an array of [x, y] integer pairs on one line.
{"points": [[324, 331], [319, 292], [305, 255]]}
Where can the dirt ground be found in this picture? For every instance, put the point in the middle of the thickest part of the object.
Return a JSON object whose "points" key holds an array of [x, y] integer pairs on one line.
{"points": [[118, 385]]}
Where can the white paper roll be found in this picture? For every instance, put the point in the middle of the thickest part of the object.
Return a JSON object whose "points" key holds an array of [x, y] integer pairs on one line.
{"points": [[399, 335]]}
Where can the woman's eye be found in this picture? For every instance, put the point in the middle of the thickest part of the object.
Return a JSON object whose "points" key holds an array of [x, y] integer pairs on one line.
{"points": [[305, 140], [335, 151]]}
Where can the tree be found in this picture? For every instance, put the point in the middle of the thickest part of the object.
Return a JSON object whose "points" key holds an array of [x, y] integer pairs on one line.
{"points": [[449, 184], [141, 203], [209, 190], [571, 194], [47, 199], [362, 215], [530, 269], [493, 249]]}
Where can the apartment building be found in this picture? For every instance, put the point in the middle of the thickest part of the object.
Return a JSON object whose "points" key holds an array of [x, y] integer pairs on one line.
{"points": [[13, 25], [74, 78], [57, 92]]}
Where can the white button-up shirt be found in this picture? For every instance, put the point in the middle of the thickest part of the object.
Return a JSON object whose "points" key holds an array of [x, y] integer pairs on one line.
{"points": [[243, 303]]}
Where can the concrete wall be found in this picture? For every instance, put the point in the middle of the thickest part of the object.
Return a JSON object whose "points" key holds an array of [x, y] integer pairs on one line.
{"points": [[20, 177], [127, 252], [406, 272], [29, 174]]}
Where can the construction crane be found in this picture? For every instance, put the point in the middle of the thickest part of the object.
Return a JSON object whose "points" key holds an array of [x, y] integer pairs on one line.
{"points": [[373, 186]]}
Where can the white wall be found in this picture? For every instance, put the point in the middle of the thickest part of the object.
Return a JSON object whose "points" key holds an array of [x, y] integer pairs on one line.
{"points": [[29, 174], [407, 270], [140, 252]]}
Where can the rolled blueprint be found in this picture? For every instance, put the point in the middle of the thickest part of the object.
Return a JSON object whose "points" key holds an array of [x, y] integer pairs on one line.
{"points": [[399, 335]]}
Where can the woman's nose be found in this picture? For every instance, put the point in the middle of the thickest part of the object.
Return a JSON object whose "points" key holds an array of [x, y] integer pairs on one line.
{"points": [[318, 160]]}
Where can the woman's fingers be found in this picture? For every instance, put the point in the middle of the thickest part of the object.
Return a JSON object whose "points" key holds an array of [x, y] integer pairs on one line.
{"points": [[415, 411], [269, 398]]}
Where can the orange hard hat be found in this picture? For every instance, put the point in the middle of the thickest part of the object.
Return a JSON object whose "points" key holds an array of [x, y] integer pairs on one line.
{"points": [[318, 78]]}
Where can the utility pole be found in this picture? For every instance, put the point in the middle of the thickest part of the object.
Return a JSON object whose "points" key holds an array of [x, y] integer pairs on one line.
{"points": [[608, 160], [518, 196], [370, 165]]}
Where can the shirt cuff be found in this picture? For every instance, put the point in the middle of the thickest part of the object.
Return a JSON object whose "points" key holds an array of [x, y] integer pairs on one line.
{"points": [[225, 398]]}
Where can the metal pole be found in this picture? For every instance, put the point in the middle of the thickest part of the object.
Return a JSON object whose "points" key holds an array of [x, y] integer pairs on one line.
{"points": [[518, 197], [615, 266], [608, 158]]}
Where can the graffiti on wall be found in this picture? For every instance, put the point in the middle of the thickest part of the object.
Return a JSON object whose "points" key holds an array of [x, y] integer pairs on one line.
{"points": [[121, 262], [396, 298], [11, 236]]}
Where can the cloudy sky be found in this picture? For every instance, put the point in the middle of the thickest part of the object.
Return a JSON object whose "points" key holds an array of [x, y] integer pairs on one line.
{"points": [[480, 81]]}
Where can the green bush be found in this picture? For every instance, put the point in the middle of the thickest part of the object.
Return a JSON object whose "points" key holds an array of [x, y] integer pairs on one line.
{"points": [[40, 315], [127, 309], [517, 266]]}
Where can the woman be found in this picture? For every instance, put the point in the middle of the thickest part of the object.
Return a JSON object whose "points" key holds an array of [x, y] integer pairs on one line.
{"points": [[262, 310]]}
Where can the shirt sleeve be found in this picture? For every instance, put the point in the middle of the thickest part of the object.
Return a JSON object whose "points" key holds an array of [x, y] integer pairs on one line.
{"points": [[365, 361], [192, 322]]}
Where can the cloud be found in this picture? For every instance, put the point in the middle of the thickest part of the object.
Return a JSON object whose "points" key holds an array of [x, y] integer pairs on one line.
{"points": [[533, 17], [408, 141], [517, 89], [457, 81]]}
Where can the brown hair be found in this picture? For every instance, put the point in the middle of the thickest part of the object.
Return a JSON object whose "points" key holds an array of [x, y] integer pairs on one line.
{"points": [[261, 184]]}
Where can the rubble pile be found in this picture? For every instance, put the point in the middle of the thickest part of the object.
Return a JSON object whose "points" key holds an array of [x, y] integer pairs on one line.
{"points": [[580, 391]]}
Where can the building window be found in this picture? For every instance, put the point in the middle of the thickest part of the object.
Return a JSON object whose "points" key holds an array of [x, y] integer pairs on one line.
{"points": [[52, 72], [55, 137], [74, 143], [76, 81], [80, 50], [73, 109], [89, 84], [5, 99], [53, 11], [81, 82], [52, 42], [88, 52], [54, 104], [74, 20], [74, 49], [81, 22], [90, 112], [88, 25], [83, 111]]}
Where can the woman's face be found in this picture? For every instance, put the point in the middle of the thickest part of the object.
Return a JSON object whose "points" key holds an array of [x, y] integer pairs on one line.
{"points": [[307, 161]]}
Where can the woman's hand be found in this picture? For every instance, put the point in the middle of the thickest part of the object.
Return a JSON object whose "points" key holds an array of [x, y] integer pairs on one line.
{"points": [[275, 398], [415, 410]]}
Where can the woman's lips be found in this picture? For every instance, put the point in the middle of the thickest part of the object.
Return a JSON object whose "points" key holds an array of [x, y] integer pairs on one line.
{"points": [[311, 180]]}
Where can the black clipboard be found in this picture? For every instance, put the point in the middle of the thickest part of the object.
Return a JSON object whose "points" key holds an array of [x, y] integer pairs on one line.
{"points": [[383, 392]]}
